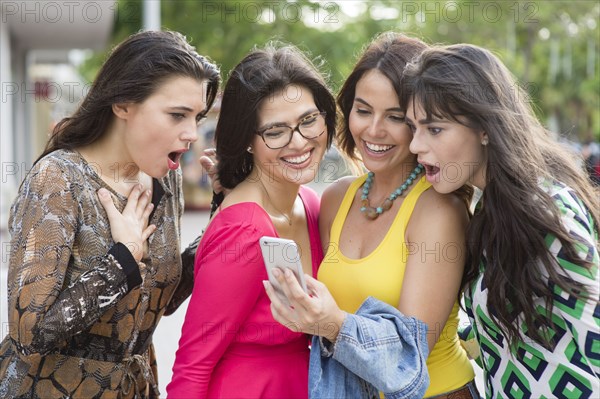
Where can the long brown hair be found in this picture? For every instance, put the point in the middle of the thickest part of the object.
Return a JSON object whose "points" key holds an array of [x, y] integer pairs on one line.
{"points": [[465, 82], [132, 73], [388, 53]]}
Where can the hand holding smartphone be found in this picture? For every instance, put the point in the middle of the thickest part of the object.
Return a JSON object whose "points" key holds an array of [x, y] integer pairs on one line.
{"points": [[282, 253]]}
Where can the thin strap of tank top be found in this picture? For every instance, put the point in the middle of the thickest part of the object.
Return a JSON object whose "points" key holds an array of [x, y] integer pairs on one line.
{"points": [[408, 205], [406, 209]]}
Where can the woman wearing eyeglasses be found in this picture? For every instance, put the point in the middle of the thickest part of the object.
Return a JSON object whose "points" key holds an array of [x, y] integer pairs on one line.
{"points": [[393, 245], [277, 120]]}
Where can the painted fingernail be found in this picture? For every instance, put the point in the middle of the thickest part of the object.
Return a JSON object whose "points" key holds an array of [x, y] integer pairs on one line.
{"points": [[310, 295], [291, 307]]}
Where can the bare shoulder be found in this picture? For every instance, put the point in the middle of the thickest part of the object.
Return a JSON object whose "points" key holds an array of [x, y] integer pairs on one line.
{"points": [[334, 194], [243, 192], [330, 203], [434, 208]]}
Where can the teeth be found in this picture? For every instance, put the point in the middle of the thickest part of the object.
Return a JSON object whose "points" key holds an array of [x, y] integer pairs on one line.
{"points": [[298, 160], [378, 148], [431, 169]]}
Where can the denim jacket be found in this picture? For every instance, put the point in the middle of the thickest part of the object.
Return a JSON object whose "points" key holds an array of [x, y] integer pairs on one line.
{"points": [[377, 349]]}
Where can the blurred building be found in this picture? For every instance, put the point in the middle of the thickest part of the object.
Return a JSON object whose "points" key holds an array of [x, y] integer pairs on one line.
{"points": [[39, 84]]}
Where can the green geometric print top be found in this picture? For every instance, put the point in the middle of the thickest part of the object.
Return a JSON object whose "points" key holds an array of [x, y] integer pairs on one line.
{"points": [[572, 368]]}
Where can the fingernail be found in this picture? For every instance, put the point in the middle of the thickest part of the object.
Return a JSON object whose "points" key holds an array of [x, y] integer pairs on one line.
{"points": [[288, 273], [276, 272], [310, 295], [265, 284], [291, 307], [103, 192]]}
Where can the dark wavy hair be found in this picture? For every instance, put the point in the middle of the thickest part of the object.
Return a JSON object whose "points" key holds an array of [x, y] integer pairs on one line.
{"points": [[132, 73], [471, 86], [261, 73], [388, 53]]}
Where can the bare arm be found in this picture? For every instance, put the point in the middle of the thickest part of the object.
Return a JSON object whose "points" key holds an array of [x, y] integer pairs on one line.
{"points": [[436, 246]]}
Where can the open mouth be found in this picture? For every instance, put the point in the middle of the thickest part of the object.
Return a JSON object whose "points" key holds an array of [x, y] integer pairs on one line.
{"points": [[378, 148], [431, 170], [174, 158]]}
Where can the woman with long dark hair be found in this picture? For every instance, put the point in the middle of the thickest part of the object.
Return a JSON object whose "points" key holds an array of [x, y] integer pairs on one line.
{"points": [[277, 119], [89, 278], [532, 273]]}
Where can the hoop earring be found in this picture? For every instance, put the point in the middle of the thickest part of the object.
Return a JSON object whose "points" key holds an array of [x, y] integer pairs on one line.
{"points": [[249, 149]]}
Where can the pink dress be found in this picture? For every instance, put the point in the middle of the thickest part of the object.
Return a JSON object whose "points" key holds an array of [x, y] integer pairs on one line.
{"points": [[231, 347]]}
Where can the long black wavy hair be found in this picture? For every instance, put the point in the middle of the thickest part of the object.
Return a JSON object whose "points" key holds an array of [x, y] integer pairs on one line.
{"points": [[132, 73]]}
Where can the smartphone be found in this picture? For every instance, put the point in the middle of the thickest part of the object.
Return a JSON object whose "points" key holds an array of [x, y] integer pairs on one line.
{"points": [[282, 253]]}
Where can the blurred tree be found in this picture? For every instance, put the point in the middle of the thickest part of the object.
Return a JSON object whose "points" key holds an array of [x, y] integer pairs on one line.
{"points": [[551, 46]]}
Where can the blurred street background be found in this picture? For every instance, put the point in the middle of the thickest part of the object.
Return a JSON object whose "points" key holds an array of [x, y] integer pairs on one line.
{"points": [[50, 52]]}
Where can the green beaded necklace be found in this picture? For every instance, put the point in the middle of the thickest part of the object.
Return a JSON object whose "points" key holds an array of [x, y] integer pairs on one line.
{"points": [[373, 213]]}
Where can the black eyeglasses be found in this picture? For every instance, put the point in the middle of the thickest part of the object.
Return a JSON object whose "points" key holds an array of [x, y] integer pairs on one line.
{"points": [[310, 127]]}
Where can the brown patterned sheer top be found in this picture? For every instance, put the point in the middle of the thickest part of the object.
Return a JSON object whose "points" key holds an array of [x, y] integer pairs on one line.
{"points": [[81, 316]]}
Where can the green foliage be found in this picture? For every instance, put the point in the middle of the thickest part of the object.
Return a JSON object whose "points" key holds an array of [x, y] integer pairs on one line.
{"points": [[551, 46]]}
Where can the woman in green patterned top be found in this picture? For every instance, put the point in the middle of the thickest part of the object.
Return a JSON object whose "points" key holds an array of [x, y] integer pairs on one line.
{"points": [[531, 278]]}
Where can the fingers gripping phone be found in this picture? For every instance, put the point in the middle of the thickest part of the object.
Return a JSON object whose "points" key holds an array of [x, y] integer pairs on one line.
{"points": [[282, 253]]}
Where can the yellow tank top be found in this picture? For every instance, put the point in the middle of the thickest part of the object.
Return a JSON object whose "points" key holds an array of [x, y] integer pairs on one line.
{"points": [[380, 275]]}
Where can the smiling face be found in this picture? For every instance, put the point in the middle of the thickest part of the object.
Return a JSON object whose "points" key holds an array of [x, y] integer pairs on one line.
{"points": [[377, 125], [162, 127], [297, 162], [452, 153]]}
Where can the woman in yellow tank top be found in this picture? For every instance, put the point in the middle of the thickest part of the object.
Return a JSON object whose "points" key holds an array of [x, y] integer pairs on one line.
{"points": [[389, 235]]}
